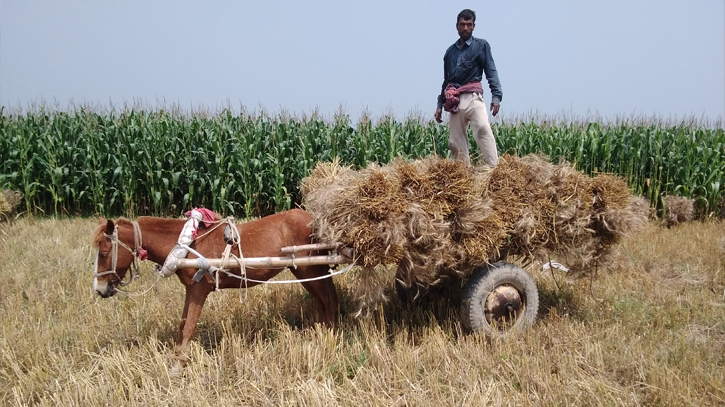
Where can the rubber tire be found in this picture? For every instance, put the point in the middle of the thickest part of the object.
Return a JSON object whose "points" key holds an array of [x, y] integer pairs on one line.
{"points": [[480, 285]]}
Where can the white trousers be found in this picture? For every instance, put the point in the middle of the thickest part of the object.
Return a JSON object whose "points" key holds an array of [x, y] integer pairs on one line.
{"points": [[472, 109]]}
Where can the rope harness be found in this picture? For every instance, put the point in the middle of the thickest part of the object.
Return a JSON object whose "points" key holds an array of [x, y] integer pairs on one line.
{"points": [[115, 242], [137, 252], [232, 238]]}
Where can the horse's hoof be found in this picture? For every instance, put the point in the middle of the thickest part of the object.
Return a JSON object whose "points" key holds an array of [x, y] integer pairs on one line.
{"points": [[177, 369]]}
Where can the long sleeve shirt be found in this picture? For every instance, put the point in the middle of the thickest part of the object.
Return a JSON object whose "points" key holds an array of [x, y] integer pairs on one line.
{"points": [[468, 64]]}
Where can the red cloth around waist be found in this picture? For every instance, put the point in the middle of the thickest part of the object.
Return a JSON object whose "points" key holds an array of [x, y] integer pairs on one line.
{"points": [[451, 93]]}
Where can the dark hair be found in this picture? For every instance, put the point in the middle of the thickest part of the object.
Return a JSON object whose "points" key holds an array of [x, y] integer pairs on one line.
{"points": [[466, 14]]}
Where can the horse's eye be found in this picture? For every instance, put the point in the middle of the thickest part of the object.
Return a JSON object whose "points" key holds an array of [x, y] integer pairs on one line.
{"points": [[103, 255]]}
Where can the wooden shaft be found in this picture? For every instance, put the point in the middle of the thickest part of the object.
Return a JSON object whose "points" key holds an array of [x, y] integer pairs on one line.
{"points": [[262, 262], [307, 247]]}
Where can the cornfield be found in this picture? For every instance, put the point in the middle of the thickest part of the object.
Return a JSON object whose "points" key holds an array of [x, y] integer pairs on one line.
{"points": [[161, 161]]}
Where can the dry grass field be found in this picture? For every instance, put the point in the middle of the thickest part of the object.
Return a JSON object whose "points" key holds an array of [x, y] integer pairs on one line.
{"points": [[649, 332]]}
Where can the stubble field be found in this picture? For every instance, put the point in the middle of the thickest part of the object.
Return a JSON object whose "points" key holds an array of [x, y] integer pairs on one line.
{"points": [[649, 332]]}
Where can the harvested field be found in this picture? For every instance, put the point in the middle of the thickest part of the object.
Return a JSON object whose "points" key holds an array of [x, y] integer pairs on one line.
{"points": [[648, 332]]}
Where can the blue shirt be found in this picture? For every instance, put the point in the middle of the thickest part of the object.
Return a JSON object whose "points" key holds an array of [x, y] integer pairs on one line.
{"points": [[467, 64]]}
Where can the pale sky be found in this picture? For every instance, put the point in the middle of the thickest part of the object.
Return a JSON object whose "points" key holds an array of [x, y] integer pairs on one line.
{"points": [[610, 58]]}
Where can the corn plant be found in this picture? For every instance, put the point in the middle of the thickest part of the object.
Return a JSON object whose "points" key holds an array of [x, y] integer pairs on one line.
{"points": [[162, 162]]}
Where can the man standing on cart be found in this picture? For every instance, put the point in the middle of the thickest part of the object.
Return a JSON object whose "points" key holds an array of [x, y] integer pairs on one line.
{"points": [[464, 64]]}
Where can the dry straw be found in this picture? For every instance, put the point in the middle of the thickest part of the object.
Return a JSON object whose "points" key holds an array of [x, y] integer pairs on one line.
{"points": [[9, 201], [5, 207], [678, 209], [434, 218]]}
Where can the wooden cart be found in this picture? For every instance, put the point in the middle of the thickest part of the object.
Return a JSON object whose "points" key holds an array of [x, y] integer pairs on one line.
{"points": [[498, 298]]}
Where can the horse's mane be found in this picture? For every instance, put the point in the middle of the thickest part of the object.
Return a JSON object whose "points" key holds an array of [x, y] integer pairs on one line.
{"points": [[97, 236]]}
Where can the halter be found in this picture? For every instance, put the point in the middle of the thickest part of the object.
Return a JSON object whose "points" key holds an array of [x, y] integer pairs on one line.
{"points": [[137, 252]]}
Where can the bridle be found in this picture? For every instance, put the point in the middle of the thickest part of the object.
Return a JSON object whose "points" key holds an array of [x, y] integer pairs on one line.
{"points": [[137, 252]]}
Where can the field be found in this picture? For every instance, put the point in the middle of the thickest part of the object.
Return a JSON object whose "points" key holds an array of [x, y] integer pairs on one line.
{"points": [[649, 332], [163, 162]]}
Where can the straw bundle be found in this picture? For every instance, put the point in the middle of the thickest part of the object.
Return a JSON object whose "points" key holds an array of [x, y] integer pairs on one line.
{"points": [[5, 207], [9, 201], [434, 218], [678, 209]]}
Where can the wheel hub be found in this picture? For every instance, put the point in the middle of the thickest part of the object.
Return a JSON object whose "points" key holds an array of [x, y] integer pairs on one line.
{"points": [[503, 306]]}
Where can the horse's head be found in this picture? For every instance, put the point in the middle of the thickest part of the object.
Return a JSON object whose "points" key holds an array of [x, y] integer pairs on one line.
{"points": [[117, 250]]}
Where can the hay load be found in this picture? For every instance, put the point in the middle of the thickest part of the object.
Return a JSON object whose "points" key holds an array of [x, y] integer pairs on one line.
{"points": [[434, 217]]}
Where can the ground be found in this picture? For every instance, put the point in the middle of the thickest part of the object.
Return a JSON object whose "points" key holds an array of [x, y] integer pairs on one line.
{"points": [[650, 331]]}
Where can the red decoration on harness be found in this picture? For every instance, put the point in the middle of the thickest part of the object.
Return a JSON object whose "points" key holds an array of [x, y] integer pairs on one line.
{"points": [[207, 219], [207, 216], [143, 254]]}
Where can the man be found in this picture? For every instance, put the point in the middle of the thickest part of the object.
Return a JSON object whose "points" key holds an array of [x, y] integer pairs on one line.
{"points": [[462, 94]]}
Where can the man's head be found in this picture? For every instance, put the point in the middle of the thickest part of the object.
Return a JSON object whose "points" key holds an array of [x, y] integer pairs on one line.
{"points": [[465, 24]]}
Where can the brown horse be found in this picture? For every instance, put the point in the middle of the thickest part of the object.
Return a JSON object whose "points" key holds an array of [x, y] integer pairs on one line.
{"points": [[156, 237]]}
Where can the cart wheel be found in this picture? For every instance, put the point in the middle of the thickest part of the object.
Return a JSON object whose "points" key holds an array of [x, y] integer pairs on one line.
{"points": [[499, 299]]}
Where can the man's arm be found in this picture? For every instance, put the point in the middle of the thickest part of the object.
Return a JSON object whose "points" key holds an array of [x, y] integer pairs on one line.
{"points": [[489, 69], [441, 99], [441, 96]]}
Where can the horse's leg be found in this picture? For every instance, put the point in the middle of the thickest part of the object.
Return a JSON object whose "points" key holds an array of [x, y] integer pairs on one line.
{"points": [[183, 317], [323, 291], [334, 301], [196, 294], [328, 287]]}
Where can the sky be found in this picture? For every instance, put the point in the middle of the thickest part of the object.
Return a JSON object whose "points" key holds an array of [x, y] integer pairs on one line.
{"points": [[611, 59]]}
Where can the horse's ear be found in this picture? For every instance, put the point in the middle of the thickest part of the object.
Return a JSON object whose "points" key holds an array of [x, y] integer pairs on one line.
{"points": [[109, 227]]}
